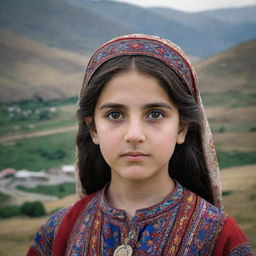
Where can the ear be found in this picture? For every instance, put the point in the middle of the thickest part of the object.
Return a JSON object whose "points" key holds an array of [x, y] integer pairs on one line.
{"points": [[92, 129], [182, 133]]}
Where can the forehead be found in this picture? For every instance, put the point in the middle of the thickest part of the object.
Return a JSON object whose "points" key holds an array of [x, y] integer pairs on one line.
{"points": [[133, 87]]}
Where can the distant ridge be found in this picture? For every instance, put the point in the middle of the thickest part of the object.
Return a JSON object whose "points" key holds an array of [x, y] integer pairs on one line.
{"points": [[81, 26], [58, 24], [219, 29]]}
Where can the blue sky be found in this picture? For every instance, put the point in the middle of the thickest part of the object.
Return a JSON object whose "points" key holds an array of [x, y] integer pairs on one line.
{"points": [[192, 5]]}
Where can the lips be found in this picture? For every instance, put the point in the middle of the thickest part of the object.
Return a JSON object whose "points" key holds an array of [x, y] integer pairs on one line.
{"points": [[134, 155]]}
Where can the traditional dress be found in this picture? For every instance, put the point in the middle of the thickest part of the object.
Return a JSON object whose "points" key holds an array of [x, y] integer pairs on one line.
{"points": [[182, 224]]}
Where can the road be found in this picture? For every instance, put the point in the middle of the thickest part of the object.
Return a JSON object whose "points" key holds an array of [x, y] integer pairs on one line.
{"points": [[8, 186], [37, 134]]}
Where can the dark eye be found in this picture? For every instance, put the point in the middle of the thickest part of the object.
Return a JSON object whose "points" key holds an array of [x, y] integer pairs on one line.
{"points": [[155, 115], [115, 115]]}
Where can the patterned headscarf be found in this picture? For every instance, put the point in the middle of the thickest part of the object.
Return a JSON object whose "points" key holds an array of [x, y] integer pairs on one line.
{"points": [[174, 57]]}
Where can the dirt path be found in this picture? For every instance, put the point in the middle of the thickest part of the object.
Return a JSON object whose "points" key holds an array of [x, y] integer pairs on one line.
{"points": [[37, 134], [18, 197]]}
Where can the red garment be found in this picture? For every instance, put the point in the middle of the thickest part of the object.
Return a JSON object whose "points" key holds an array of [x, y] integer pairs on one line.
{"points": [[230, 242], [230, 237]]}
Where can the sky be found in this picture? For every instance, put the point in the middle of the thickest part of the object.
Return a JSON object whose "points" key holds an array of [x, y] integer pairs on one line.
{"points": [[192, 5]]}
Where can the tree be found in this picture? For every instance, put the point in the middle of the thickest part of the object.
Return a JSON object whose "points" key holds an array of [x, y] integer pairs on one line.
{"points": [[9, 211], [33, 209]]}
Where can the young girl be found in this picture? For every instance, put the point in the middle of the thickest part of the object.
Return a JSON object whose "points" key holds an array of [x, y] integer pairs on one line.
{"points": [[146, 162]]}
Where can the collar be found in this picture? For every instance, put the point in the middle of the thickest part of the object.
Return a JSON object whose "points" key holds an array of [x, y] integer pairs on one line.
{"points": [[168, 204]]}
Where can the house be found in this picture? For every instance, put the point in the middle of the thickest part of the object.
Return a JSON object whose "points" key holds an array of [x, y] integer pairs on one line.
{"points": [[7, 172], [68, 169], [27, 175]]}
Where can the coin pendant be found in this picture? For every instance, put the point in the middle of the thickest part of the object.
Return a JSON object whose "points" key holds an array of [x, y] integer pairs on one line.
{"points": [[123, 250]]}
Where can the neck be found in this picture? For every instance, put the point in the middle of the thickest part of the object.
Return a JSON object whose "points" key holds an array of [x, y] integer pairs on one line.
{"points": [[133, 195]]}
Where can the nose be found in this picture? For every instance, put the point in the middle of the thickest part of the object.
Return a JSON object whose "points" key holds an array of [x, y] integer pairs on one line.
{"points": [[135, 132]]}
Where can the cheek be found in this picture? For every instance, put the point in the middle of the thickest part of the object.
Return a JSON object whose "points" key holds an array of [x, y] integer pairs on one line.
{"points": [[109, 141], [167, 135], [108, 134]]}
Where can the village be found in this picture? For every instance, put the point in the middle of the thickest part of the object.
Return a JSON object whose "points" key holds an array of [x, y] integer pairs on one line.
{"points": [[10, 179]]}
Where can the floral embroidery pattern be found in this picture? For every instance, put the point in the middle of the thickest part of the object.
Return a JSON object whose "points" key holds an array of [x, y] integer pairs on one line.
{"points": [[167, 228], [43, 239], [183, 225]]}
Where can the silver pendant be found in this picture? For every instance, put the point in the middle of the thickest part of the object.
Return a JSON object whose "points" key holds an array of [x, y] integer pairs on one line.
{"points": [[123, 250]]}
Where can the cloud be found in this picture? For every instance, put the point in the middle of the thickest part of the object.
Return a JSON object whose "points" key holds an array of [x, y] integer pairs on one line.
{"points": [[188, 5]]}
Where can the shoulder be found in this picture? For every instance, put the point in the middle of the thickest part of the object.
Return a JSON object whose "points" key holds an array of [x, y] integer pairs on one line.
{"points": [[63, 220], [232, 241], [215, 232], [44, 237], [227, 239]]}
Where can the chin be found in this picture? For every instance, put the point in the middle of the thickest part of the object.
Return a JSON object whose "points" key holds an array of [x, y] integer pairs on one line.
{"points": [[135, 175]]}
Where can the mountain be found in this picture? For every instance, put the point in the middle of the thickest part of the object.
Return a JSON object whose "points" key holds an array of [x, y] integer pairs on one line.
{"points": [[143, 20], [194, 19], [44, 44], [233, 15], [30, 70], [222, 28], [83, 25], [230, 71], [58, 24]]}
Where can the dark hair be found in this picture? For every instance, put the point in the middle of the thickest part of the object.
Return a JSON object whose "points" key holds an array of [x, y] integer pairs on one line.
{"points": [[187, 164]]}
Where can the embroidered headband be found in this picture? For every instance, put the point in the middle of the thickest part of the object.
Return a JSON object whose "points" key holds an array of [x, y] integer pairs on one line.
{"points": [[173, 56], [147, 45]]}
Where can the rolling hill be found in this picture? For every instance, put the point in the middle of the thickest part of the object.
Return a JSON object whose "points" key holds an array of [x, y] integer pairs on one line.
{"points": [[30, 70], [229, 71]]}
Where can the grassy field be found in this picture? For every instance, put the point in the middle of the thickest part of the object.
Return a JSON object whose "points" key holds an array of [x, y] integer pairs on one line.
{"points": [[3, 199], [39, 153], [16, 234], [235, 158], [230, 98], [240, 203], [59, 190]]}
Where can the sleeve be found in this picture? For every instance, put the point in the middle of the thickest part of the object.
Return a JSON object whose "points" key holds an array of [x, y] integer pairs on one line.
{"points": [[232, 241], [42, 243]]}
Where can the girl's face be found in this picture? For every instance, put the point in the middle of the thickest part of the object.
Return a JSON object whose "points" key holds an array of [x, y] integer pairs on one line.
{"points": [[136, 127]]}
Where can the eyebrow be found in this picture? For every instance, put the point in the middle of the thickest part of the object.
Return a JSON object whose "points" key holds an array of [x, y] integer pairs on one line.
{"points": [[147, 106]]}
